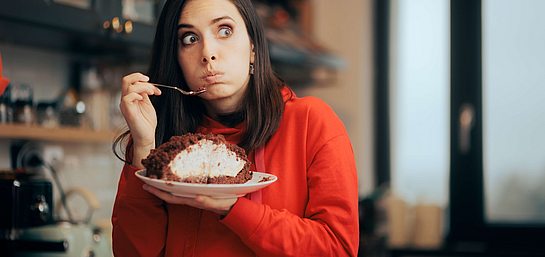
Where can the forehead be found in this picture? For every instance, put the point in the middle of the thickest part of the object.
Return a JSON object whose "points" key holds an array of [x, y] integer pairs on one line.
{"points": [[206, 10]]}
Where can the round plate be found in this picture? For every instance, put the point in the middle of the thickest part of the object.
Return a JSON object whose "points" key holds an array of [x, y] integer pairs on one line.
{"points": [[213, 190]]}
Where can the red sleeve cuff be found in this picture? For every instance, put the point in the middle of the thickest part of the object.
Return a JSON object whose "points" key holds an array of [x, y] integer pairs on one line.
{"points": [[244, 218]]}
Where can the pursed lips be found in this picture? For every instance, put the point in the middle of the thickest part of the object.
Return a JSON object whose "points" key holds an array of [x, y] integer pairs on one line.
{"points": [[212, 77]]}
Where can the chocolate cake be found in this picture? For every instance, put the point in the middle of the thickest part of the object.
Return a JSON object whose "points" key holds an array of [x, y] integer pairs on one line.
{"points": [[198, 158]]}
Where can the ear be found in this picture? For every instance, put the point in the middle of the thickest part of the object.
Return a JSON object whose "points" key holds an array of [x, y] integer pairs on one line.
{"points": [[252, 55]]}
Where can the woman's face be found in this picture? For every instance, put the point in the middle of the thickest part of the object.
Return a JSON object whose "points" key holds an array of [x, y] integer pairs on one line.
{"points": [[214, 50]]}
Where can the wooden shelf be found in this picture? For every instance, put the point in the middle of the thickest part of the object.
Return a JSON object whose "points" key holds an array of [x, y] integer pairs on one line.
{"points": [[63, 134]]}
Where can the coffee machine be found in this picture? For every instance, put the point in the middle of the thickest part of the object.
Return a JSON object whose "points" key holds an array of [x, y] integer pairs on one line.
{"points": [[28, 226], [25, 203]]}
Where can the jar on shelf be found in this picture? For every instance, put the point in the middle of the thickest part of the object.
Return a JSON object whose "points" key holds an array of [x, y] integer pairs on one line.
{"points": [[47, 115], [6, 108], [23, 107]]}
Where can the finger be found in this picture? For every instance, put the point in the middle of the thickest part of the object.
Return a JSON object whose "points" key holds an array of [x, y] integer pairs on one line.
{"points": [[142, 88], [137, 76], [131, 79], [221, 206], [146, 98], [156, 89], [209, 203], [128, 104], [170, 198], [131, 98]]}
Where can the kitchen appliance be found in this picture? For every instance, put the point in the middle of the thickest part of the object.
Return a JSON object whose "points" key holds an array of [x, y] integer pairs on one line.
{"points": [[25, 203], [60, 240], [28, 227]]}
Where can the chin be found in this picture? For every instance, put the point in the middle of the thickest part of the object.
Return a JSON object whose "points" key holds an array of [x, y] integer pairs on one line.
{"points": [[211, 95], [219, 90]]}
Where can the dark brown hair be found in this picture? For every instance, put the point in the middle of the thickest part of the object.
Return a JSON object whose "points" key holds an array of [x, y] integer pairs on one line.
{"points": [[178, 114]]}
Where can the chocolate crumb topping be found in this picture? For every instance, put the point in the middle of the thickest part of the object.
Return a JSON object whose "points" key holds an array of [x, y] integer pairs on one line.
{"points": [[156, 163]]}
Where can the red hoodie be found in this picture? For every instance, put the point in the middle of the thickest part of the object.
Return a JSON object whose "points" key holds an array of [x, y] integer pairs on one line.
{"points": [[312, 210], [3, 81]]}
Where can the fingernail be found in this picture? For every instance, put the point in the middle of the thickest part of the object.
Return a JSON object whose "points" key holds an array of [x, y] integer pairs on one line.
{"points": [[145, 187]]}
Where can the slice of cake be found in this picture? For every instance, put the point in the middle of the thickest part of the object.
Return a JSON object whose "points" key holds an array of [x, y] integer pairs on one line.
{"points": [[198, 158]]}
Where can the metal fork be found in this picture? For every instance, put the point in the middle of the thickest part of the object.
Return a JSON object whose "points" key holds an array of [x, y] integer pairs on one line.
{"points": [[198, 92]]}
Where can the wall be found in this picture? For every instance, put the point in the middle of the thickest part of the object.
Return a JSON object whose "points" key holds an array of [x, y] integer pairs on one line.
{"points": [[347, 30], [48, 74]]}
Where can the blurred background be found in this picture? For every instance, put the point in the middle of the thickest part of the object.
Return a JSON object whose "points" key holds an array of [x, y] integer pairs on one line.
{"points": [[442, 101]]}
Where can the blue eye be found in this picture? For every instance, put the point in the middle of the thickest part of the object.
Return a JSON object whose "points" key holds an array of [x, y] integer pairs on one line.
{"points": [[189, 39], [225, 32]]}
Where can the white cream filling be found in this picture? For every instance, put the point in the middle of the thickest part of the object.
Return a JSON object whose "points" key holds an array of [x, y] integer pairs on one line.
{"points": [[206, 159]]}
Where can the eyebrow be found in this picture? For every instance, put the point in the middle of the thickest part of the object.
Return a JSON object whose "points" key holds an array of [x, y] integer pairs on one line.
{"points": [[214, 21]]}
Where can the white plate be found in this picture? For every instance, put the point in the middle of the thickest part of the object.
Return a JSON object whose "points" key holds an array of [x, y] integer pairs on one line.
{"points": [[212, 190]]}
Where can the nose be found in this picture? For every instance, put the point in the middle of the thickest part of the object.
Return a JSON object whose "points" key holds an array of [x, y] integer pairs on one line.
{"points": [[206, 59], [208, 52]]}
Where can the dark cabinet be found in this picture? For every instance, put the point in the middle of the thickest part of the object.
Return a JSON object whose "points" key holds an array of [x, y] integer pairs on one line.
{"points": [[122, 31], [97, 28], [56, 15]]}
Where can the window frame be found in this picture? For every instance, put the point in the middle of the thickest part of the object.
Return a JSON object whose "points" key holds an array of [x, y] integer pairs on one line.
{"points": [[466, 192], [468, 230]]}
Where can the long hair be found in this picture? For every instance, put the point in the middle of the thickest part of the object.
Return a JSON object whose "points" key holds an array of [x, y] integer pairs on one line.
{"points": [[178, 114]]}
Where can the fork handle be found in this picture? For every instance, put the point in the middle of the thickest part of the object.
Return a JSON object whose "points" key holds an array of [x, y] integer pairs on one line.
{"points": [[159, 85]]}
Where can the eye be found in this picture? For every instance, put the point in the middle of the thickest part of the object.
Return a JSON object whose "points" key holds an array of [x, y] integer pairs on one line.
{"points": [[189, 39], [225, 32]]}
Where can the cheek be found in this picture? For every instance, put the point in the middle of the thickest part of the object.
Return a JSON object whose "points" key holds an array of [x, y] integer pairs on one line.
{"points": [[185, 61], [240, 55]]}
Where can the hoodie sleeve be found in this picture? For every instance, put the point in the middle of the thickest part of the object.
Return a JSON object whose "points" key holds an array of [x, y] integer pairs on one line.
{"points": [[330, 223], [139, 219]]}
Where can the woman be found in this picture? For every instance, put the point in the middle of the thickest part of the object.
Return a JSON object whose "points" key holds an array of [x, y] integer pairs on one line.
{"points": [[310, 211]]}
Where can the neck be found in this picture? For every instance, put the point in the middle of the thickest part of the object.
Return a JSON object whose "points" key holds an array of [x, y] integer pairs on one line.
{"points": [[218, 108]]}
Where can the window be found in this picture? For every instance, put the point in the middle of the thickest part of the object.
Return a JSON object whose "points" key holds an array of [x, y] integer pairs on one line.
{"points": [[514, 110], [465, 89], [419, 100]]}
